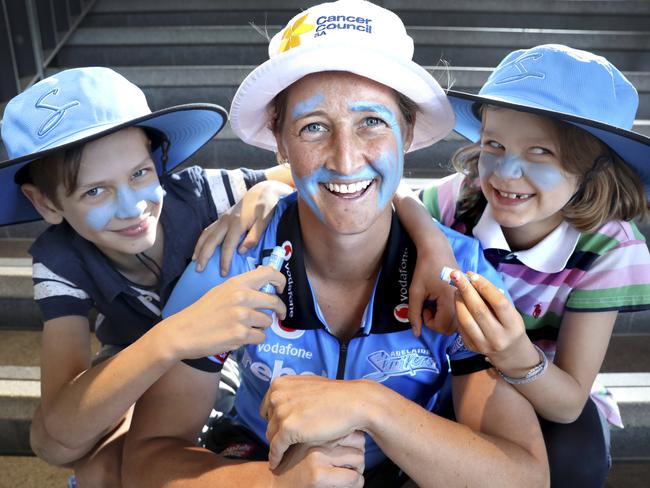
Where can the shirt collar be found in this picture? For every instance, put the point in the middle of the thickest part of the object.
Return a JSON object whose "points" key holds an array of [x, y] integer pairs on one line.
{"points": [[388, 309], [550, 255]]}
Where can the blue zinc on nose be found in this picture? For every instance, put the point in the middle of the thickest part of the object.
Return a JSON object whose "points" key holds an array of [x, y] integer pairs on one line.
{"points": [[509, 168]]}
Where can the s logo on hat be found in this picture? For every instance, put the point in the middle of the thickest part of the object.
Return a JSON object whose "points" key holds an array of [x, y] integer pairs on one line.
{"points": [[58, 114], [518, 64]]}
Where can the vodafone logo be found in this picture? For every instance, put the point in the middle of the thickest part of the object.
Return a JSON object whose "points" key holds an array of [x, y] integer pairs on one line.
{"points": [[285, 332], [401, 312], [288, 250]]}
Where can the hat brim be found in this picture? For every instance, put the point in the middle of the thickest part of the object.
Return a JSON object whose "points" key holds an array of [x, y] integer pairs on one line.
{"points": [[249, 113], [187, 128], [633, 148]]}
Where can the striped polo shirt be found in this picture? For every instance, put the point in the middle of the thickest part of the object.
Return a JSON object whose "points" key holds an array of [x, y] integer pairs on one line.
{"points": [[608, 269]]}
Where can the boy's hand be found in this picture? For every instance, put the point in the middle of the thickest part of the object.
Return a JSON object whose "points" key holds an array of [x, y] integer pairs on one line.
{"points": [[249, 216], [226, 317], [431, 300]]}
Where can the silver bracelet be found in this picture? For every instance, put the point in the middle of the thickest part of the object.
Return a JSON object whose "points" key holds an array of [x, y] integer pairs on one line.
{"points": [[532, 374]]}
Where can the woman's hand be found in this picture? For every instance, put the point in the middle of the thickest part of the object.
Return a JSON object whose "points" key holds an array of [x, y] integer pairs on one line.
{"points": [[226, 317], [334, 464], [250, 215], [431, 300], [310, 409], [490, 324]]}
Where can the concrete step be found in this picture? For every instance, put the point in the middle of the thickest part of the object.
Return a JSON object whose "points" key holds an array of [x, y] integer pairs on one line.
{"points": [[165, 86], [470, 13], [237, 45], [31, 472]]}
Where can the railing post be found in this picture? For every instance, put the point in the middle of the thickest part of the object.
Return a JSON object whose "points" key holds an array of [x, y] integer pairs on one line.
{"points": [[35, 32]]}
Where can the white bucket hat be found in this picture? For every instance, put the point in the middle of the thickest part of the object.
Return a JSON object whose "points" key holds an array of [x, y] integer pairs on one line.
{"points": [[347, 35]]}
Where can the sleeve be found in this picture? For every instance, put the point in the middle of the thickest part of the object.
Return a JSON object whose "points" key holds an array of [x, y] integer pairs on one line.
{"points": [[57, 296], [619, 278], [227, 187], [193, 285], [440, 198], [469, 254]]}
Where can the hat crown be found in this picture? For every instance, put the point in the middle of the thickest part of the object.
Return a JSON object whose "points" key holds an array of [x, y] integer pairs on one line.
{"points": [[355, 22], [65, 106], [566, 80]]}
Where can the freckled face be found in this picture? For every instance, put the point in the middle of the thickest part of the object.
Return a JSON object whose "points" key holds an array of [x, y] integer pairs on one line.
{"points": [[521, 173], [118, 199], [344, 137]]}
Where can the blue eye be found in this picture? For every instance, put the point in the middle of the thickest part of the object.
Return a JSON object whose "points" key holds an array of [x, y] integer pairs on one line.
{"points": [[313, 127], [94, 192], [373, 121], [539, 150], [139, 173]]}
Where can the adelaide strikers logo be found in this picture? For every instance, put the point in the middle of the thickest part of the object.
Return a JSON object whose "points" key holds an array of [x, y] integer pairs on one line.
{"points": [[401, 313], [285, 332]]}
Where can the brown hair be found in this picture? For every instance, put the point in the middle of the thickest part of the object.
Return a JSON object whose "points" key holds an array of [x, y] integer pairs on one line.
{"points": [[59, 168], [608, 188]]}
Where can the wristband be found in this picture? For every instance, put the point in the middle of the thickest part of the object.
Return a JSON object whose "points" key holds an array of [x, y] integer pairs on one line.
{"points": [[532, 374]]}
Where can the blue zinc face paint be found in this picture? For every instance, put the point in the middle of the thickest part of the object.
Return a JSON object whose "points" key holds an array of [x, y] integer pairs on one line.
{"points": [[127, 204], [306, 106], [389, 166], [511, 167]]}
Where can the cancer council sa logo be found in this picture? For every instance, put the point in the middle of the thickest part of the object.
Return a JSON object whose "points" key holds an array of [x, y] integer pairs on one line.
{"points": [[285, 332], [401, 312]]}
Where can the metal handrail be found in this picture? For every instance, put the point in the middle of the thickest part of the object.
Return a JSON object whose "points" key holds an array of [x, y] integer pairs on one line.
{"points": [[35, 32]]}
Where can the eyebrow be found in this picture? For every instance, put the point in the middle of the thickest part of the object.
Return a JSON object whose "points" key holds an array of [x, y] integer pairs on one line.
{"points": [[93, 184]]}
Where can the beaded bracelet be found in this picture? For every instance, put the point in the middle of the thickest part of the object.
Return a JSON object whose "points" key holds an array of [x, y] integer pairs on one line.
{"points": [[532, 374]]}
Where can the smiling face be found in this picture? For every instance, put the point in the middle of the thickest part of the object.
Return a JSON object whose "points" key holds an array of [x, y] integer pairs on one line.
{"points": [[118, 198], [344, 136], [521, 173]]}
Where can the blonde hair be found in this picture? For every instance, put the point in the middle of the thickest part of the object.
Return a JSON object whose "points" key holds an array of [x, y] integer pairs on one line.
{"points": [[608, 188]]}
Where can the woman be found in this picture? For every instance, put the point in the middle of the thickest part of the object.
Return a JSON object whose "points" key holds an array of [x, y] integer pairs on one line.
{"points": [[341, 101]]}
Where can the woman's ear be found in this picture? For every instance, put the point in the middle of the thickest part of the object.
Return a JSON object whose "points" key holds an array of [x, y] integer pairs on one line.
{"points": [[43, 205], [408, 134]]}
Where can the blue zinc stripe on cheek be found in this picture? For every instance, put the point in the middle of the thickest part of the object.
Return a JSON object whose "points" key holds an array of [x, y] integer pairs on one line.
{"points": [[127, 204], [389, 166], [510, 167]]}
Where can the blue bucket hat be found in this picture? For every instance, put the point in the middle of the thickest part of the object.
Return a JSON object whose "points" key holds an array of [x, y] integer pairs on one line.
{"points": [[568, 84], [79, 105]]}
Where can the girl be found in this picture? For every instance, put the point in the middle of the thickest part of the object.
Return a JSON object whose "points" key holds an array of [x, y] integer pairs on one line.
{"points": [[550, 187]]}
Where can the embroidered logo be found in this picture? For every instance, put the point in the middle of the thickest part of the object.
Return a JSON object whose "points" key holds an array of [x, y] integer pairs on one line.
{"points": [[523, 72], [291, 36], [48, 125], [537, 311], [399, 363]]}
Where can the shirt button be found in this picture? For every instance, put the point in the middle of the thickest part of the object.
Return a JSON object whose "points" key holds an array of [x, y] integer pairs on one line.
{"points": [[148, 298]]}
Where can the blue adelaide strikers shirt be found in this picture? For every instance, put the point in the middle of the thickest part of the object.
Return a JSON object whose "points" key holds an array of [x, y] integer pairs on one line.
{"points": [[384, 349]]}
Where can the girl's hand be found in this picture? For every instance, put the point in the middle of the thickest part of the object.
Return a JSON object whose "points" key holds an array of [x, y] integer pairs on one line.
{"points": [[249, 216], [294, 417], [490, 324]]}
